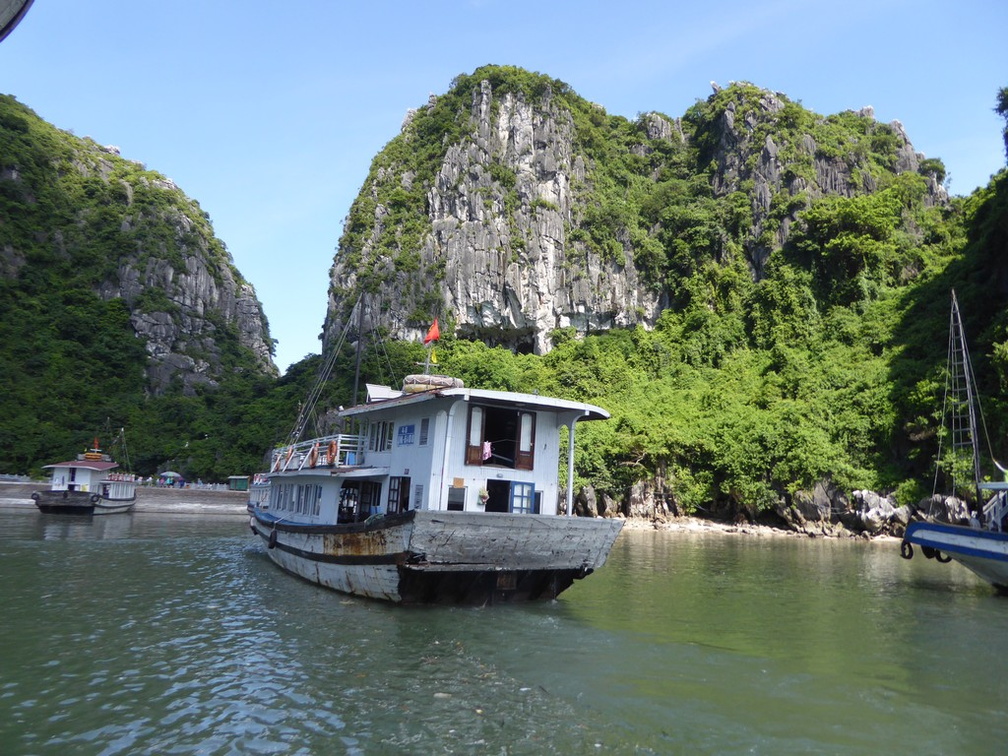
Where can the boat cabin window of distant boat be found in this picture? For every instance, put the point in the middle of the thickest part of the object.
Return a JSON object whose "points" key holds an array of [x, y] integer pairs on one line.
{"points": [[501, 436]]}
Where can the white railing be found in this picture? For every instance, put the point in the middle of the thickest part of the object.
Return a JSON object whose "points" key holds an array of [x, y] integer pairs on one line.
{"points": [[341, 450]]}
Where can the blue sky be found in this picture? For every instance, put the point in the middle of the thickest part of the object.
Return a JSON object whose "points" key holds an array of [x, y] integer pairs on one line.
{"points": [[269, 113]]}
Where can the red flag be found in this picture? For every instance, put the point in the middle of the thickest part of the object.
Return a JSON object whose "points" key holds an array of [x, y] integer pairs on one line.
{"points": [[433, 334]]}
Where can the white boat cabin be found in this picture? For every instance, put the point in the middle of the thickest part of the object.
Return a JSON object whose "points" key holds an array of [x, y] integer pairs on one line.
{"points": [[431, 449], [92, 472]]}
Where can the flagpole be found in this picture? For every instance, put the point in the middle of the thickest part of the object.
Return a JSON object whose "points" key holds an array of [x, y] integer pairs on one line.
{"points": [[433, 334]]}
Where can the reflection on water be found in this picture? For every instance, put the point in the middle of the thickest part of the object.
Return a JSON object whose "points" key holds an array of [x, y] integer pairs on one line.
{"points": [[175, 634]]}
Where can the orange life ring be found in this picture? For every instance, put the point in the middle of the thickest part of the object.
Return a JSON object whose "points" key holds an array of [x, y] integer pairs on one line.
{"points": [[290, 455], [332, 453], [313, 455]]}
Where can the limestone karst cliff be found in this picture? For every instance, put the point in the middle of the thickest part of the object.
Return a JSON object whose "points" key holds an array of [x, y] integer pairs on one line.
{"points": [[510, 207], [74, 214]]}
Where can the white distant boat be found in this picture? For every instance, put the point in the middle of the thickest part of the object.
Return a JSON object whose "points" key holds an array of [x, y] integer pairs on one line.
{"points": [[981, 546], [444, 494], [89, 484]]}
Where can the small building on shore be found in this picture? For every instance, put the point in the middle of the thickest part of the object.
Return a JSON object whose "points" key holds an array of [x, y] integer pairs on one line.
{"points": [[238, 483]]}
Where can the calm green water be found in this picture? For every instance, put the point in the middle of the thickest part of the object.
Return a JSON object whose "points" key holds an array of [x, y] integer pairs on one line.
{"points": [[145, 634]]}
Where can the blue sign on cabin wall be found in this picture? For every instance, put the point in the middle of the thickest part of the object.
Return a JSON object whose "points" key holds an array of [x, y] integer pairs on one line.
{"points": [[406, 434]]}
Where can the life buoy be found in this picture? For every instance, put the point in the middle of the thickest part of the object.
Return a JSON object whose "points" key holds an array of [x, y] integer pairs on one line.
{"points": [[290, 455], [271, 543], [313, 456], [331, 458], [276, 462], [906, 550]]}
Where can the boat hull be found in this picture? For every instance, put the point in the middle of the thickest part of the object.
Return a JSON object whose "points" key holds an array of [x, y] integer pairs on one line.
{"points": [[425, 557], [984, 552], [80, 503]]}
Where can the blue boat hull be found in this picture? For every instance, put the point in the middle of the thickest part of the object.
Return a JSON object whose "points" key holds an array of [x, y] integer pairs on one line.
{"points": [[984, 552]]}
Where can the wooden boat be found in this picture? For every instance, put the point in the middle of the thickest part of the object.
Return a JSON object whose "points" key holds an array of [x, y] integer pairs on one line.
{"points": [[981, 544], [444, 494], [88, 485]]}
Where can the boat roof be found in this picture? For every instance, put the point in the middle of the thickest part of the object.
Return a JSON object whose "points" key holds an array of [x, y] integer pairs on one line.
{"points": [[387, 398], [88, 464]]}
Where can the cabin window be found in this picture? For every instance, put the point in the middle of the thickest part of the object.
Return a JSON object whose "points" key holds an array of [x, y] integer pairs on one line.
{"points": [[524, 499], [502, 437], [380, 437], [474, 444], [398, 497], [424, 430], [526, 441], [456, 498]]}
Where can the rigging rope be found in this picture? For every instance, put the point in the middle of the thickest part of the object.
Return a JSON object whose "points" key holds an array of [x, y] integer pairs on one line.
{"points": [[308, 407]]}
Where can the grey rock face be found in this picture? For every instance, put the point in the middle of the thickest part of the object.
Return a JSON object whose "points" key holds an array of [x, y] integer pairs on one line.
{"points": [[510, 268], [199, 297], [508, 195]]}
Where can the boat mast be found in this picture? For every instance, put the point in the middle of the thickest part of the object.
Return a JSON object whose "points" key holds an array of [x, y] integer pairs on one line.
{"points": [[962, 411], [360, 342]]}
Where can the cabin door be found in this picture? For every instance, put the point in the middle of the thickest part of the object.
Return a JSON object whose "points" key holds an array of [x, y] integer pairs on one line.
{"points": [[500, 496], [370, 498], [349, 502], [398, 497]]}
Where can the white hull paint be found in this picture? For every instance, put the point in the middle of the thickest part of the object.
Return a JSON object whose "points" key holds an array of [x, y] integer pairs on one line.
{"points": [[983, 552], [114, 506], [454, 557]]}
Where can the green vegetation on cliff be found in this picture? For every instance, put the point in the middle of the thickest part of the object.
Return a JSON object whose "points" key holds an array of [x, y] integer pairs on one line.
{"points": [[799, 343], [80, 228]]}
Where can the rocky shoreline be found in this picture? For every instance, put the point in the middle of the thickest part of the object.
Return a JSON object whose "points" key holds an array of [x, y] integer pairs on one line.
{"points": [[151, 499], [699, 525], [824, 512]]}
